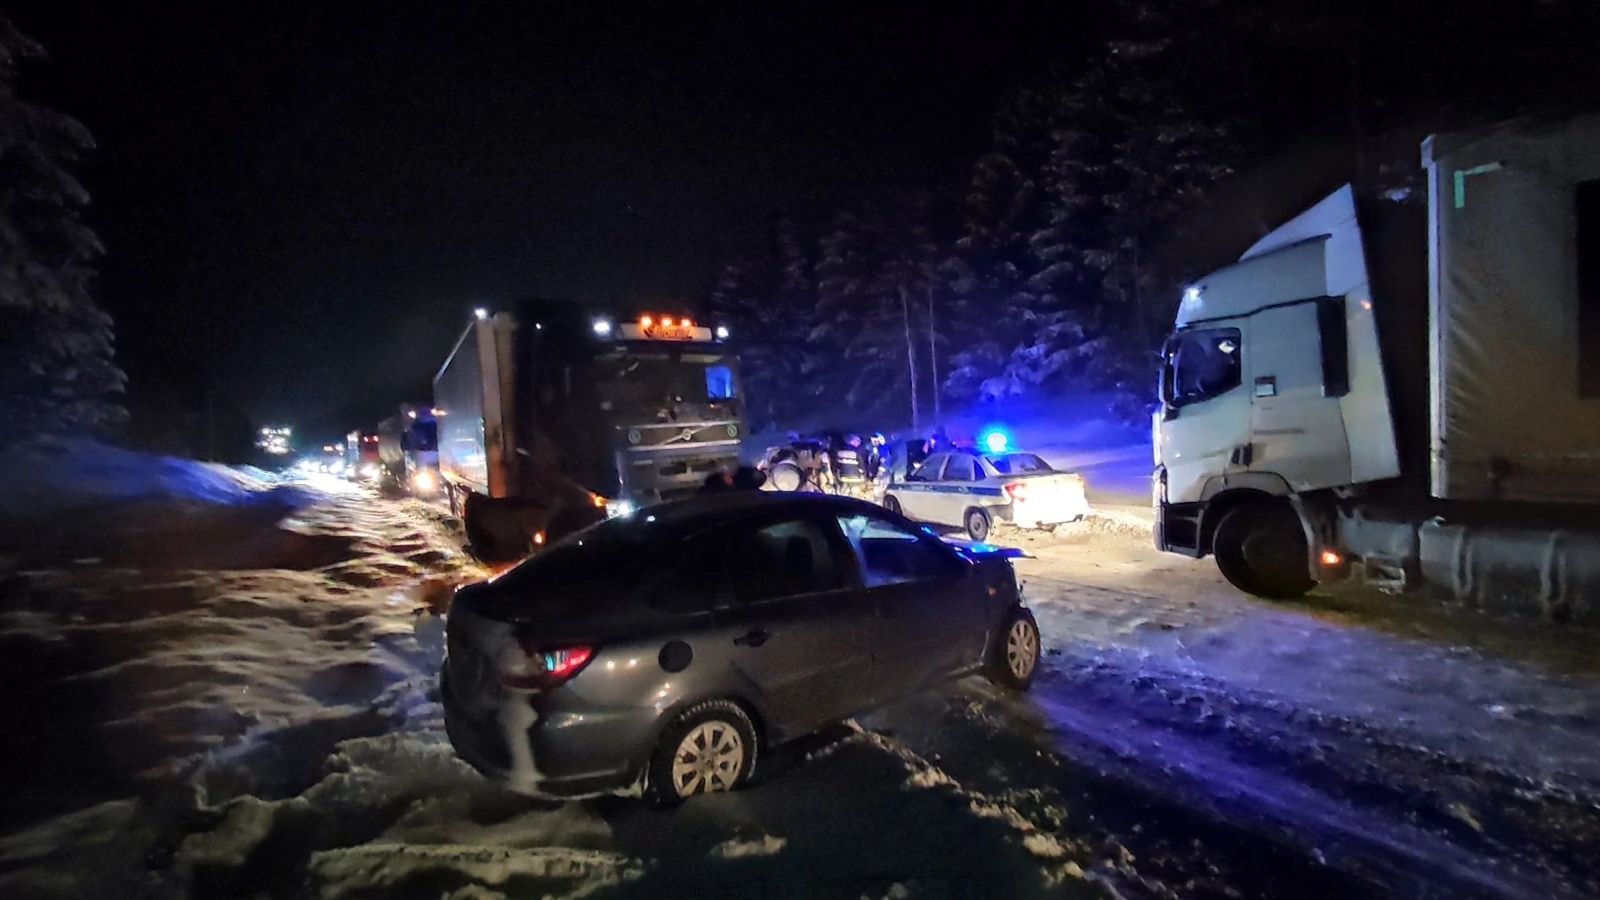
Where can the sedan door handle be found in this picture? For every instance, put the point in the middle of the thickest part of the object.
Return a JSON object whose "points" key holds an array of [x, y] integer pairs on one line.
{"points": [[755, 637]]}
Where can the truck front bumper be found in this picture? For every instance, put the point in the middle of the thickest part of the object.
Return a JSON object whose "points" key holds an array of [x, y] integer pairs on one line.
{"points": [[1178, 528]]}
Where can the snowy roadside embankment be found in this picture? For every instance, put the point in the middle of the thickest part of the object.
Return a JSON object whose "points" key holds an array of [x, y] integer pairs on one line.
{"points": [[49, 477], [174, 635]]}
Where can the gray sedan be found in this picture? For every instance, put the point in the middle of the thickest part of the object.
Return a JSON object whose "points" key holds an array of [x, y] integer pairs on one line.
{"points": [[663, 652]]}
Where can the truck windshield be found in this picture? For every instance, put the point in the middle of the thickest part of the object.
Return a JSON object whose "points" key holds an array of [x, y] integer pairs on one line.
{"points": [[425, 437], [1200, 365], [659, 383]]}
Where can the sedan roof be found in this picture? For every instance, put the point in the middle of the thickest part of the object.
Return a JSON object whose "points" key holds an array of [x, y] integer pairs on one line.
{"points": [[706, 509]]}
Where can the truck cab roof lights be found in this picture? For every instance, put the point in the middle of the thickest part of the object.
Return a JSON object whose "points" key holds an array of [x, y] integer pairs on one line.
{"points": [[646, 321], [602, 327], [722, 332]]}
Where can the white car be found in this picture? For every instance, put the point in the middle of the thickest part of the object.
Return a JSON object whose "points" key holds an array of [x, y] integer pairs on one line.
{"points": [[972, 491]]}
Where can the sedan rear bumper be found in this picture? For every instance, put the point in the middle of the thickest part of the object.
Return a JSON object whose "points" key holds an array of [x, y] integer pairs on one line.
{"points": [[563, 755], [1023, 515]]}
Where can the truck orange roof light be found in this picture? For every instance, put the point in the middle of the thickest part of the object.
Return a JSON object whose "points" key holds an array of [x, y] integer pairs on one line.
{"points": [[646, 321]]}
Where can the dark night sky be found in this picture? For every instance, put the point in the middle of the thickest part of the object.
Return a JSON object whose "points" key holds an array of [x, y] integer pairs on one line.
{"points": [[308, 200]]}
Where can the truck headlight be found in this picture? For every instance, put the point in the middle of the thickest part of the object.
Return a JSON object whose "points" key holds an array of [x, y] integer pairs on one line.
{"points": [[424, 482], [370, 470]]}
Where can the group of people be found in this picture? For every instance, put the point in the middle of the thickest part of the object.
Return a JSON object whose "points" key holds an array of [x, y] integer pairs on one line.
{"points": [[848, 459]]}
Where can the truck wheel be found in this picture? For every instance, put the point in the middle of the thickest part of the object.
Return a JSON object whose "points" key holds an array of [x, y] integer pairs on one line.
{"points": [[479, 538], [977, 523], [1261, 550], [786, 476]]}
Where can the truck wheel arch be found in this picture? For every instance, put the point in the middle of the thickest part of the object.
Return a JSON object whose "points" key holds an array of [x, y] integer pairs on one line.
{"points": [[1220, 505]]}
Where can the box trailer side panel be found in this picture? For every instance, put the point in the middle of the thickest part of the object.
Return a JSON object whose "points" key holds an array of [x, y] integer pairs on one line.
{"points": [[458, 399], [1516, 397]]}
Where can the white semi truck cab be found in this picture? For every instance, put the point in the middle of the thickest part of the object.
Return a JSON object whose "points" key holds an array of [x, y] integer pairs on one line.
{"points": [[1290, 386]]}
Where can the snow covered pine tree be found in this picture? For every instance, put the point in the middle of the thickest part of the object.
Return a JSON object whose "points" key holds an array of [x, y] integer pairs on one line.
{"points": [[57, 371]]}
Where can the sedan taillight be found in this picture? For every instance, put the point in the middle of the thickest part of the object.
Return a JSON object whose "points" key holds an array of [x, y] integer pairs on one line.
{"points": [[527, 668], [1016, 490]]}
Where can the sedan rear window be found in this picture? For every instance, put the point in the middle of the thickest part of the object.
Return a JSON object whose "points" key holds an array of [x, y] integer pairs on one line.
{"points": [[589, 567], [1018, 463]]}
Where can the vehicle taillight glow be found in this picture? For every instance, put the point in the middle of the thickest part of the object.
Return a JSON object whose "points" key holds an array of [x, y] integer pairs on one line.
{"points": [[526, 668], [1017, 490]]}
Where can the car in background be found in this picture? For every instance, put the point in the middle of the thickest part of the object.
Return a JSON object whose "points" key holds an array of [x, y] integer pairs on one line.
{"points": [[667, 650], [972, 491]]}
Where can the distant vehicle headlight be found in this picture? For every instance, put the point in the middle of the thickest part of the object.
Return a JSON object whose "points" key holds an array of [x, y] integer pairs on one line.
{"points": [[370, 470], [617, 508], [425, 482]]}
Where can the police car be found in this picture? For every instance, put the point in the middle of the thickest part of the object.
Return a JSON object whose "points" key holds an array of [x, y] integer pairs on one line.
{"points": [[971, 490]]}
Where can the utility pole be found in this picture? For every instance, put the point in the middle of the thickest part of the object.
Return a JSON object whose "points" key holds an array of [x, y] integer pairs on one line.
{"points": [[911, 359], [933, 359]]}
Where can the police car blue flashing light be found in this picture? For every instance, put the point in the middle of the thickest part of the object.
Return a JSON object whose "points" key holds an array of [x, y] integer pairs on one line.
{"points": [[995, 441]]}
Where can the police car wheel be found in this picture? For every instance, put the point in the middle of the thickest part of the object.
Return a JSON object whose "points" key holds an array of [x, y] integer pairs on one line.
{"points": [[892, 505], [977, 523]]}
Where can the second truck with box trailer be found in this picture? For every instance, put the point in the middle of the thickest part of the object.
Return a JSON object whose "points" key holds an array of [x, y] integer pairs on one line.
{"points": [[1415, 399], [551, 416]]}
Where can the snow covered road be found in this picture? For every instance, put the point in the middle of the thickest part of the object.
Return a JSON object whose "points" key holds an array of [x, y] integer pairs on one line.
{"points": [[260, 718]]}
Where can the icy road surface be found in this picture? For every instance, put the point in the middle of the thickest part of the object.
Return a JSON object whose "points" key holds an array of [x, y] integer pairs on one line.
{"points": [[240, 702]]}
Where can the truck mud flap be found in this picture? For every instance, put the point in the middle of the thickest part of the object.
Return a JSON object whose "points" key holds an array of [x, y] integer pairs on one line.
{"points": [[503, 529]]}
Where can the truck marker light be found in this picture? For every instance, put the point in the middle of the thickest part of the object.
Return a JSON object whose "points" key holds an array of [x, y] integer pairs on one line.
{"points": [[538, 539], [722, 332], [1331, 558], [646, 321], [667, 322], [687, 322], [602, 327]]}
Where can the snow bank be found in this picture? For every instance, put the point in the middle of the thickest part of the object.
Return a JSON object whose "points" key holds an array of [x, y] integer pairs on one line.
{"points": [[739, 848], [54, 476]]}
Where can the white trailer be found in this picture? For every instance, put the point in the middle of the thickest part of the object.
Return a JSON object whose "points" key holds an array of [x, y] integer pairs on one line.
{"points": [[1318, 419]]}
